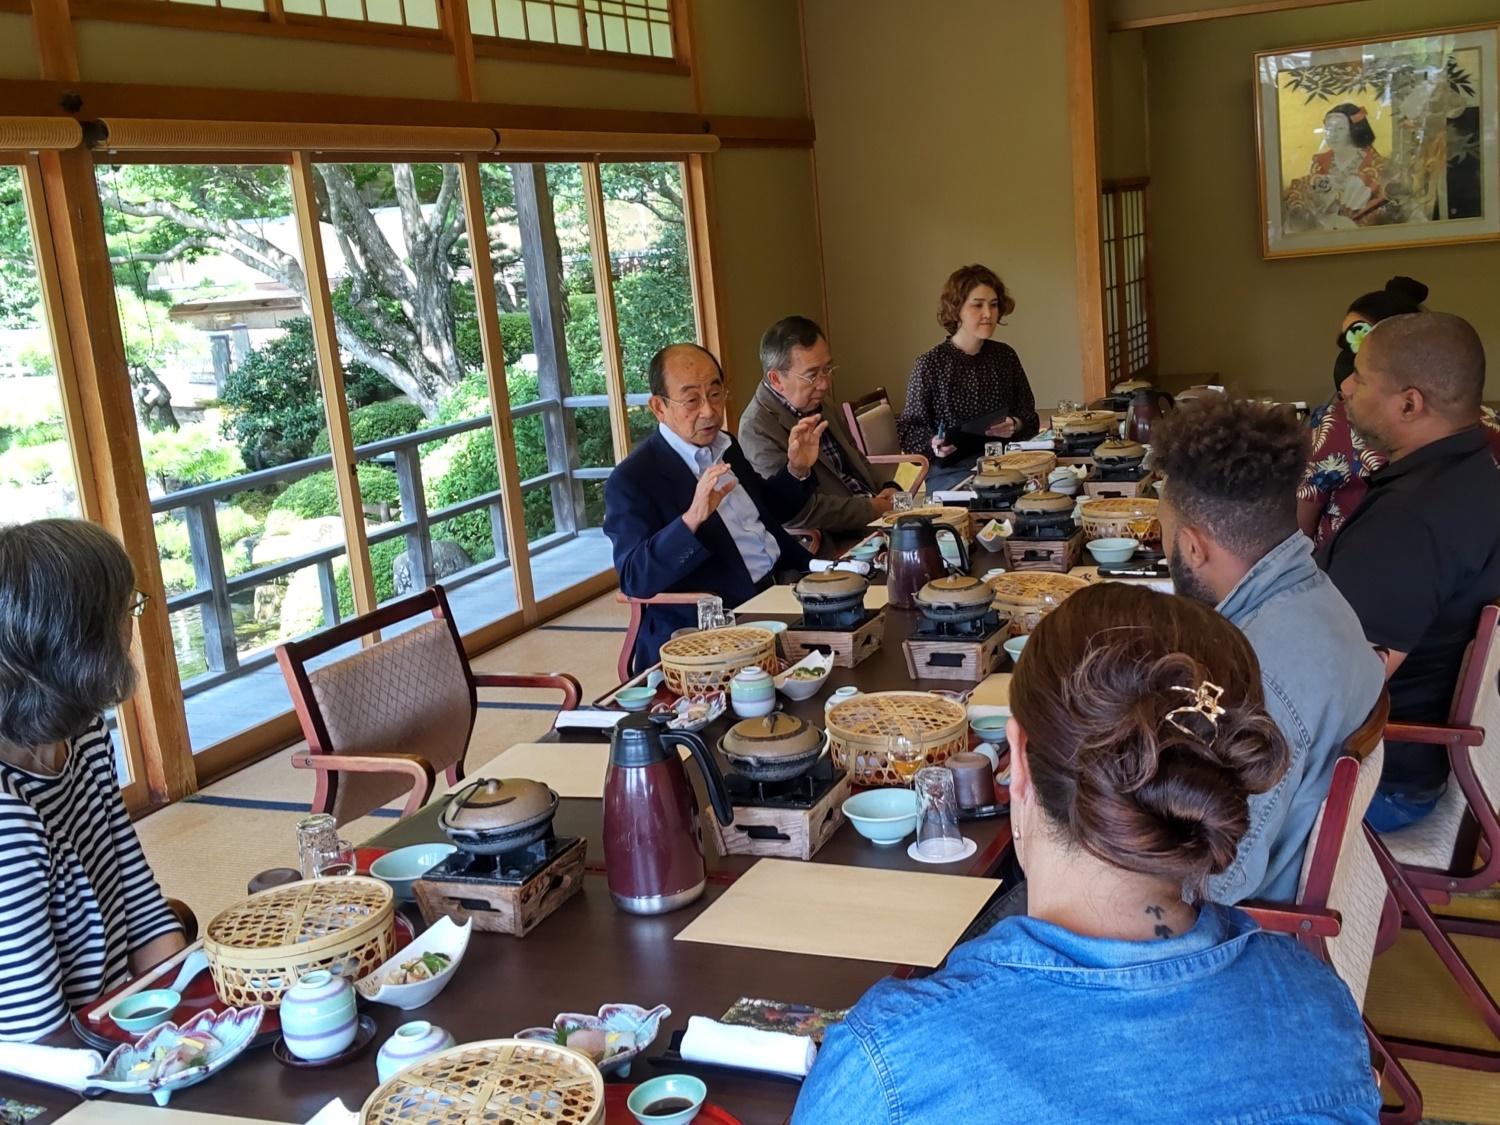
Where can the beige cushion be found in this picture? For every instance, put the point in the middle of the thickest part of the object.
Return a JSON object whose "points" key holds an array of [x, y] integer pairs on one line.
{"points": [[878, 427], [406, 695]]}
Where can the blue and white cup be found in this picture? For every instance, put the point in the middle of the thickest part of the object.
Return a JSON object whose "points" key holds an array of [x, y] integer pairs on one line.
{"points": [[752, 692], [319, 1016], [411, 1043]]}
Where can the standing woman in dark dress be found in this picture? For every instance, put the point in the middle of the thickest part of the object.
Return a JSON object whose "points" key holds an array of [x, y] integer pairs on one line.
{"points": [[968, 376]]}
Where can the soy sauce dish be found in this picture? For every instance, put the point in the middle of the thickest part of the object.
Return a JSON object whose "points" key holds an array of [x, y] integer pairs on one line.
{"points": [[670, 1099]]}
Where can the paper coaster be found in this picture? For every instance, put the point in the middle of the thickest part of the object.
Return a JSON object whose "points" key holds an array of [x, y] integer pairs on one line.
{"points": [[969, 848]]}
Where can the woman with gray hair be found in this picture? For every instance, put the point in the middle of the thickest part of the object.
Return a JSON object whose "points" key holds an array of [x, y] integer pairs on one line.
{"points": [[80, 911]]}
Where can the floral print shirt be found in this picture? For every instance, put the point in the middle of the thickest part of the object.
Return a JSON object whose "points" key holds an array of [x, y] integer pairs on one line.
{"points": [[1340, 464]]}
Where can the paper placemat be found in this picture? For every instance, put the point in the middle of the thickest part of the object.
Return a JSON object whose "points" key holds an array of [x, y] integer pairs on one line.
{"points": [[126, 1113], [572, 769], [779, 599], [828, 910], [993, 691]]}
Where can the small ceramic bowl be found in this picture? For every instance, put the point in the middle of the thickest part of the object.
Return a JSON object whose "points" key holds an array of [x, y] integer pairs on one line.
{"points": [[883, 816], [140, 1013], [1112, 550], [443, 936], [864, 551], [822, 663], [404, 866], [635, 698], [989, 728], [667, 1088], [639, 1026], [775, 627], [1014, 646]]}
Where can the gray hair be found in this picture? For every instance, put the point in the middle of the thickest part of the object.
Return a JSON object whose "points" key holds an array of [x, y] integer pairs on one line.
{"points": [[65, 588], [787, 333]]}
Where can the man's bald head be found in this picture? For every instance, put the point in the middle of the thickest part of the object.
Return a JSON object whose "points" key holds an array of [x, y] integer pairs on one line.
{"points": [[670, 356], [1436, 353]]}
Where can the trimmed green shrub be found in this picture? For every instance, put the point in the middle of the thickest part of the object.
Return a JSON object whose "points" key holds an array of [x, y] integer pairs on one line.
{"points": [[376, 422], [317, 495]]}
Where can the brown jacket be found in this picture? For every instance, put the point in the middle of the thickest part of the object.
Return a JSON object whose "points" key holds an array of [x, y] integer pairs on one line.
{"points": [[763, 430]]}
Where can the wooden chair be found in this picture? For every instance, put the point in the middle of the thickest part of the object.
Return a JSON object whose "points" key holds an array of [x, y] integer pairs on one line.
{"points": [[872, 425], [386, 720], [1456, 848], [1341, 895], [637, 616]]}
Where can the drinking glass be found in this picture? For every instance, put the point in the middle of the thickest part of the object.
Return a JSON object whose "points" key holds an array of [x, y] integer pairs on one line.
{"points": [[938, 836], [726, 619], [904, 753], [1141, 519], [901, 502], [710, 609], [314, 833], [333, 858], [994, 448]]}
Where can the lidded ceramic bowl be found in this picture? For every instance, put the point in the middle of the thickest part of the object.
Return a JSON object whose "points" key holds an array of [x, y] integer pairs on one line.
{"points": [[830, 586], [1119, 454], [1044, 502]]}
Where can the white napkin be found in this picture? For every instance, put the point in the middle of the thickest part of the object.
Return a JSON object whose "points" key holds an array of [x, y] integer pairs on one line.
{"points": [[334, 1113], [854, 566], [56, 1066], [951, 495], [587, 720], [710, 1041]]}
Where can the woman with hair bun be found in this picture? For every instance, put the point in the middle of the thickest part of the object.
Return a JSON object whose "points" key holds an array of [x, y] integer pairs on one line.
{"points": [[1139, 735]]}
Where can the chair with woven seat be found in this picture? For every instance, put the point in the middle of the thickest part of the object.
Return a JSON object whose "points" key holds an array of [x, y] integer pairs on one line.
{"points": [[1341, 894], [386, 720], [872, 425], [1455, 849]]}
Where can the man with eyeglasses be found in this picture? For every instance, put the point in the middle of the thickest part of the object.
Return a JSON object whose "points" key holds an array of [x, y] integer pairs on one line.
{"points": [[799, 371], [686, 512]]}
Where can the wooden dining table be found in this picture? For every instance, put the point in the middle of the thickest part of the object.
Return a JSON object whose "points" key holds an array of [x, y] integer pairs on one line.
{"points": [[588, 952]]}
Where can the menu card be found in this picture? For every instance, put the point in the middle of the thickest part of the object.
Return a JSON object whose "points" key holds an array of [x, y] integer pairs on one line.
{"points": [[779, 599], [572, 769], [829, 910]]}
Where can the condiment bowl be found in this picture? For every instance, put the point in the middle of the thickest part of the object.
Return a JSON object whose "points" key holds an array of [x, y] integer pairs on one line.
{"points": [[667, 1087], [883, 816], [865, 551], [989, 728], [799, 689], [1112, 550], [773, 627], [443, 936], [140, 1013], [404, 866], [635, 698]]}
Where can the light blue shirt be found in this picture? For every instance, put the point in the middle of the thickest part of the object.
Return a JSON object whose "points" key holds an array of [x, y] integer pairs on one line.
{"points": [[757, 546]]}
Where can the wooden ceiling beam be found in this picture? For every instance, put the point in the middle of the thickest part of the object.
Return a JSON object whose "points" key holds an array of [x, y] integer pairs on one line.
{"points": [[1221, 12]]}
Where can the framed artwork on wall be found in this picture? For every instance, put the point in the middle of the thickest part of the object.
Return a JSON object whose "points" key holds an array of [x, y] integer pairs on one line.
{"points": [[1379, 144]]}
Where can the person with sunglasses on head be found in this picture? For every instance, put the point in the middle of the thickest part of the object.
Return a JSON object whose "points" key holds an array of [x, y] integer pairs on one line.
{"points": [[81, 911], [798, 384], [686, 512]]}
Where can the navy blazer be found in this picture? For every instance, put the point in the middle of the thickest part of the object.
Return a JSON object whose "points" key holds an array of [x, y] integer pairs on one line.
{"points": [[655, 553]]}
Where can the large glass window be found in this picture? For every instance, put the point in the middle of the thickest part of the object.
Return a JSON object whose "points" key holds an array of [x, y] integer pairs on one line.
{"points": [[624, 27]]}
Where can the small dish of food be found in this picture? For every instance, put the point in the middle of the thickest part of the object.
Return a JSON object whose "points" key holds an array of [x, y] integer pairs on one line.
{"points": [[416, 974], [804, 678], [693, 712], [611, 1040], [169, 1058]]}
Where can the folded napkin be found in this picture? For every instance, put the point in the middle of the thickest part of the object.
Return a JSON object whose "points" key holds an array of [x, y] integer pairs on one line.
{"points": [[334, 1113], [953, 495], [56, 1066], [710, 1041], [582, 719], [854, 566]]}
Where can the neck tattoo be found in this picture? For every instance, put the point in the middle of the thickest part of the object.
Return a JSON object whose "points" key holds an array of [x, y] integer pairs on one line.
{"points": [[1162, 930]]}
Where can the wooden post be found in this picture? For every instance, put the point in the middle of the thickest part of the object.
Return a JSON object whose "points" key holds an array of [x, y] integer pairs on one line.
{"points": [[609, 329], [488, 313], [1086, 248], [542, 258], [708, 306], [414, 508], [208, 574], [456, 13], [331, 375], [56, 45], [154, 719]]}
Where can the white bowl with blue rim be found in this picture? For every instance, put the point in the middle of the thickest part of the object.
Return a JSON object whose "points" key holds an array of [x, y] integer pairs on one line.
{"points": [[1112, 551], [404, 866]]}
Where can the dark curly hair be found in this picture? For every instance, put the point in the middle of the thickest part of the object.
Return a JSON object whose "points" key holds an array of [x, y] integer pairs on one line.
{"points": [[963, 281], [1093, 692], [1232, 470]]}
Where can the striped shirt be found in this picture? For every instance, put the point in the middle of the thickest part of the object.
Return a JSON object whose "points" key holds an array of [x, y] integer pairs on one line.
{"points": [[76, 894]]}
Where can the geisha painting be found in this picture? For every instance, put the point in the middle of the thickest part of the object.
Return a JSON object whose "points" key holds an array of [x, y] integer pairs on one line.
{"points": [[1373, 145]]}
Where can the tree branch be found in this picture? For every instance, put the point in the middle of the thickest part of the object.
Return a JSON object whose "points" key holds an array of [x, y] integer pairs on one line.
{"points": [[170, 255]]}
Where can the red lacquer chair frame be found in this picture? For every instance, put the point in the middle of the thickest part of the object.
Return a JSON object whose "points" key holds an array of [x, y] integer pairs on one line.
{"points": [[853, 409]]}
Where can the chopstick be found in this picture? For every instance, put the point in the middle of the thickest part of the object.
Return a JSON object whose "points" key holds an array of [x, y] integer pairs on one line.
{"points": [[140, 983]]}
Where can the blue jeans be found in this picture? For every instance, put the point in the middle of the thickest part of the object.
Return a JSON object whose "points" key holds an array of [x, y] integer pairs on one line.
{"points": [[1390, 811]]}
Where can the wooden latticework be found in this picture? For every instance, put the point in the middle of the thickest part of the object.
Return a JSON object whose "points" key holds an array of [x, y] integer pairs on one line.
{"points": [[1116, 519], [259, 948], [493, 1082], [1024, 597], [699, 663], [1069, 417], [956, 518], [858, 729]]}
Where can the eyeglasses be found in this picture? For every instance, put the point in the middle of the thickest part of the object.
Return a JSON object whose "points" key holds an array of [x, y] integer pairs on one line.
{"points": [[818, 375], [138, 603], [694, 403]]}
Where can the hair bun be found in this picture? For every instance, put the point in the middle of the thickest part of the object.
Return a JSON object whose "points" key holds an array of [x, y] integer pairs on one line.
{"points": [[1409, 287]]}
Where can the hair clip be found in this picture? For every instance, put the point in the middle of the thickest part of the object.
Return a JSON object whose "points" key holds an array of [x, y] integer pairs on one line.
{"points": [[1206, 698], [1357, 116]]}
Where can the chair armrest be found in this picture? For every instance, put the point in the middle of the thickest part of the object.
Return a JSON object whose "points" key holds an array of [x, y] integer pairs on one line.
{"points": [[637, 615], [186, 917], [1288, 918], [1433, 735], [811, 536], [419, 768], [558, 681], [917, 459]]}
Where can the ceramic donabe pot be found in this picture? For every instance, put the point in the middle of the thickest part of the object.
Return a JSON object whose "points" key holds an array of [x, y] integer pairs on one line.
{"points": [[411, 1043], [319, 1018]]}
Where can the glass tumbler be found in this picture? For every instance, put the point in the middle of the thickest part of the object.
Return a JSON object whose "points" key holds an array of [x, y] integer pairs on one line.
{"points": [[710, 610], [335, 857], [901, 502], [938, 836], [314, 834]]}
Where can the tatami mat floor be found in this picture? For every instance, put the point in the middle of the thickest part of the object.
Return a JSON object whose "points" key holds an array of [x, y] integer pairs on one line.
{"points": [[204, 849]]}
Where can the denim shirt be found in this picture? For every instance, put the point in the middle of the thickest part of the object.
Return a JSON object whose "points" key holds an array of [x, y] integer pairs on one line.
{"points": [[1033, 1023], [1321, 680]]}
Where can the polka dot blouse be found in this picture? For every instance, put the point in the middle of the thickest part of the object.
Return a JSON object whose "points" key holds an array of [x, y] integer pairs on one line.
{"points": [[951, 387]]}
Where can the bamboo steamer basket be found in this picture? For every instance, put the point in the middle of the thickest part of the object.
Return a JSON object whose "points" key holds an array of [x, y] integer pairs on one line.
{"points": [[1037, 464], [1112, 519], [261, 946], [515, 1081], [1070, 417], [858, 729], [956, 518], [1024, 597], [699, 663]]}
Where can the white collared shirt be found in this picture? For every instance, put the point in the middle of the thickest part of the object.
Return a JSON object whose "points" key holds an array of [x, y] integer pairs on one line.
{"points": [[757, 546]]}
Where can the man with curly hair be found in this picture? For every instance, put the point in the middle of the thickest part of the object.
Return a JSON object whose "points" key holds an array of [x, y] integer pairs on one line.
{"points": [[1229, 524]]}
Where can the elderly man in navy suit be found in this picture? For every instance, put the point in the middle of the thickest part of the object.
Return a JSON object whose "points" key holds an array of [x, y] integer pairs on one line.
{"points": [[686, 512]]}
